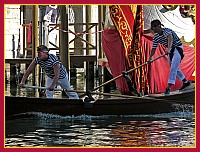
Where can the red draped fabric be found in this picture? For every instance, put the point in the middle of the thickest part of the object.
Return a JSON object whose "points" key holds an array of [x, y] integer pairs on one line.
{"points": [[117, 42], [114, 51], [128, 21], [158, 71], [137, 54], [126, 48], [29, 39]]}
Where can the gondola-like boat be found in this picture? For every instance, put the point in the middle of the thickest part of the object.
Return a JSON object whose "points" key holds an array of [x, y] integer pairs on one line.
{"points": [[151, 104]]}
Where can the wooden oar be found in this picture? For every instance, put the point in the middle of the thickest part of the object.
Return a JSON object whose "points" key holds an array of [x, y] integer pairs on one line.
{"points": [[117, 77], [105, 94], [91, 92], [79, 91], [55, 89]]}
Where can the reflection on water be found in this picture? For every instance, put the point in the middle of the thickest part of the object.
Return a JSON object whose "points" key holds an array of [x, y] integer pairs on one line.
{"points": [[39, 129], [168, 130]]}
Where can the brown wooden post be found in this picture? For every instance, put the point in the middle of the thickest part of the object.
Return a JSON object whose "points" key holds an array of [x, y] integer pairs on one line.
{"points": [[88, 20], [99, 48], [34, 35], [100, 28], [24, 37], [64, 47], [89, 64]]}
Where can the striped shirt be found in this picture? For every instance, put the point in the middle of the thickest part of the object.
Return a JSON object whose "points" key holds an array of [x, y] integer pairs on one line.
{"points": [[162, 39], [49, 64]]}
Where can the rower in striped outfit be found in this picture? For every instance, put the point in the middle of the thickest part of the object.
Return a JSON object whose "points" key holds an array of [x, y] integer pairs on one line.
{"points": [[174, 48], [55, 72]]}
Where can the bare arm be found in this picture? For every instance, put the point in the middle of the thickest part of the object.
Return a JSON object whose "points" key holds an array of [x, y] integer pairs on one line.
{"points": [[170, 42], [56, 77], [147, 31], [153, 50], [29, 70]]}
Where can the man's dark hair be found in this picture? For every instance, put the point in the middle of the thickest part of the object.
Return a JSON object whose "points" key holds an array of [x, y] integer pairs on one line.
{"points": [[42, 48], [155, 23]]}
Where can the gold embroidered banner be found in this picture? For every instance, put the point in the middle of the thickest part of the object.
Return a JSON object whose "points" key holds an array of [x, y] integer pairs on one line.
{"points": [[124, 21], [138, 54], [129, 22]]}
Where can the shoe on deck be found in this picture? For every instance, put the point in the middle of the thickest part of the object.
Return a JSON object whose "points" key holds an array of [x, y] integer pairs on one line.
{"points": [[167, 91], [185, 85]]}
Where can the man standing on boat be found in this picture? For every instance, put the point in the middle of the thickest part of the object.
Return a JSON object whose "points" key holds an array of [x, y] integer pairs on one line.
{"points": [[174, 48], [56, 73]]}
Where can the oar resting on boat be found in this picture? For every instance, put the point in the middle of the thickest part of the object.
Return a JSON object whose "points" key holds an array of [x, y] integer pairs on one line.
{"points": [[60, 89], [125, 74], [88, 93], [80, 91], [90, 99], [129, 71]]}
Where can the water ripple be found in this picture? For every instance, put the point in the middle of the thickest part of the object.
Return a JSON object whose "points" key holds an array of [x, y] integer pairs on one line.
{"points": [[41, 130]]}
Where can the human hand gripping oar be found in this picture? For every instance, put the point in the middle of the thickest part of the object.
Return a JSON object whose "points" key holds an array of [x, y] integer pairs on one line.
{"points": [[121, 75]]}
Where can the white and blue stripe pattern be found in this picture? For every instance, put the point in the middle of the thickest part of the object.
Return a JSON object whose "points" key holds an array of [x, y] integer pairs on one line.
{"points": [[49, 64], [162, 39]]}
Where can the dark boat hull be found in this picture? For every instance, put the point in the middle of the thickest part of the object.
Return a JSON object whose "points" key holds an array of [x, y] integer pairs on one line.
{"points": [[112, 106]]}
